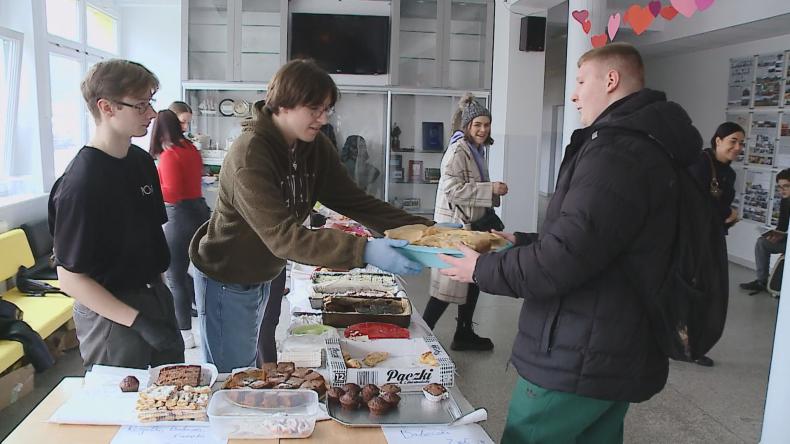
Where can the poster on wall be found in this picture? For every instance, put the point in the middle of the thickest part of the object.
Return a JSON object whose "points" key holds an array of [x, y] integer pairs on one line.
{"points": [[739, 91], [742, 119], [762, 138], [757, 187], [783, 147], [776, 202], [769, 79], [787, 79]]}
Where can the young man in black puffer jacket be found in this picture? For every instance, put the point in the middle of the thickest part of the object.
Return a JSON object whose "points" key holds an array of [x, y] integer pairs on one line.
{"points": [[585, 349]]}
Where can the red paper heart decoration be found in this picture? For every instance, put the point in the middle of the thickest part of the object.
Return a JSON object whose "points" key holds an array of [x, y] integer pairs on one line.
{"points": [[580, 16], [669, 12], [586, 26], [655, 8], [598, 40], [639, 18]]}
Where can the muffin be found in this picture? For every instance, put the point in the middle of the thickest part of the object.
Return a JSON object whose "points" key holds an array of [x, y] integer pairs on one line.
{"points": [[334, 394], [390, 388], [392, 398], [369, 392], [435, 392], [129, 384], [378, 406], [350, 401], [351, 387]]}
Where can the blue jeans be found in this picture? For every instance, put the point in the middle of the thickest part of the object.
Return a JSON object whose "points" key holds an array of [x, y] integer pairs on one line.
{"points": [[229, 316]]}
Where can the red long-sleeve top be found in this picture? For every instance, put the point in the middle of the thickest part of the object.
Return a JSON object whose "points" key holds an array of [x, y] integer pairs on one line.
{"points": [[180, 170]]}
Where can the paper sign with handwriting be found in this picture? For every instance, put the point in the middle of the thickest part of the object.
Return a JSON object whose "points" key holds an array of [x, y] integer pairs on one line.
{"points": [[465, 434], [166, 435]]}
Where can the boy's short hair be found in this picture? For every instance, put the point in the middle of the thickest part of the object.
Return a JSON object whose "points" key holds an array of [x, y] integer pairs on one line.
{"points": [[114, 79], [783, 175], [300, 83], [180, 107], [623, 57]]}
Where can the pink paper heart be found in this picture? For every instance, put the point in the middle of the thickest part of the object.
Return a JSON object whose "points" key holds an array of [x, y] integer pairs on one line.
{"points": [[704, 4], [654, 7], [685, 7], [613, 26], [580, 16]]}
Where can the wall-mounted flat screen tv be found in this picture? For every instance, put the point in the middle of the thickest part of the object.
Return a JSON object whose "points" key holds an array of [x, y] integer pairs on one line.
{"points": [[342, 44]]}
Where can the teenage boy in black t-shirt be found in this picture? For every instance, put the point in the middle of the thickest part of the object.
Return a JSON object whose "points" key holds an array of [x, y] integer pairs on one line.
{"points": [[106, 214]]}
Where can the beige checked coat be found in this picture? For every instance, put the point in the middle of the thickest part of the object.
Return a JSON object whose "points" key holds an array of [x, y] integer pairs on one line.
{"points": [[461, 197]]}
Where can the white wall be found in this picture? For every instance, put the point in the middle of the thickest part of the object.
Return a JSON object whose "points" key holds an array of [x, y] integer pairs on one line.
{"points": [[151, 35], [698, 82], [517, 118]]}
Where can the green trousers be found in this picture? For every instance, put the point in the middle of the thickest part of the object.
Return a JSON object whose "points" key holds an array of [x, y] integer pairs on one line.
{"points": [[538, 415]]}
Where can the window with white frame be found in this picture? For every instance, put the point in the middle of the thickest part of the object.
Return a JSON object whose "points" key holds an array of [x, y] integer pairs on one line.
{"points": [[10, 67], [80, 34]]}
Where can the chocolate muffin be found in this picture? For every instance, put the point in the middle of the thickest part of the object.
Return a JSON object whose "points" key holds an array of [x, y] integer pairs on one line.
{"points": [[129, 384], [378, 406], [369, 392], [435, 392], [351, 387], [350, 401], [390, 388], [334, 394], [392, 398]]}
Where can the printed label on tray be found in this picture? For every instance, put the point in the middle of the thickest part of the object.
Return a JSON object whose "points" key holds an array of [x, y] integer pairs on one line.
{"points": [[416, 377]]}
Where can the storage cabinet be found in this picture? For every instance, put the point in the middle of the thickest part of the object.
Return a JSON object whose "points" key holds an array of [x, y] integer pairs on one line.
{"points": [[239, 40]]}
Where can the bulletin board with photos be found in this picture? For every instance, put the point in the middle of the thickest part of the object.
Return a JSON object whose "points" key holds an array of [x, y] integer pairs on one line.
{"points": [[758, 99]]}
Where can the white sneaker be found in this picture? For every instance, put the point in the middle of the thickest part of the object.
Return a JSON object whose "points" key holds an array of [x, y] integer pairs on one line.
{"points": [[189, 338]]}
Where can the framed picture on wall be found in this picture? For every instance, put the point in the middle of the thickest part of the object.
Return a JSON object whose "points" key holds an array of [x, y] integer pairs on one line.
{"points": [[768, 79], [432, 136], [739, 91]]}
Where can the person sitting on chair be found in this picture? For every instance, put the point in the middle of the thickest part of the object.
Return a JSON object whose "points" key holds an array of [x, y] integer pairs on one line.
{"points": [[774, 241]]}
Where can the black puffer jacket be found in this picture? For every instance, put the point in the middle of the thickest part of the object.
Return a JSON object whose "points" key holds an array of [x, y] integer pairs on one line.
{"points": [[606, 237]]}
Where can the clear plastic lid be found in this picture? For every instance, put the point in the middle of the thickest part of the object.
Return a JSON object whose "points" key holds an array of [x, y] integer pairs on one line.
{"points": [[250, 402]]}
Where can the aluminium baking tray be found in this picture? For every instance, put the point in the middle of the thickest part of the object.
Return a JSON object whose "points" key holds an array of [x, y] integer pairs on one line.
{"points": [[413, 410]]}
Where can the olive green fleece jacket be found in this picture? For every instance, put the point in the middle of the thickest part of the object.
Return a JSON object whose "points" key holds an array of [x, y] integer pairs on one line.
{"points": [[265, 193]]}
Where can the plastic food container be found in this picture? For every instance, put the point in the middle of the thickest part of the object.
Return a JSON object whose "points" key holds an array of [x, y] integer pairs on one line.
{"points": [[263, 414]]}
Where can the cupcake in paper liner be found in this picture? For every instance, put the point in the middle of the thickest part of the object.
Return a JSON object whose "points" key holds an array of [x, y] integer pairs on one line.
{"points": [[435, 392]]}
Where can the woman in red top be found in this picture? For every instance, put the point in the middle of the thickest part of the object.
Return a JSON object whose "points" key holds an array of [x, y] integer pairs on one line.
{"points": [[180, 169]]}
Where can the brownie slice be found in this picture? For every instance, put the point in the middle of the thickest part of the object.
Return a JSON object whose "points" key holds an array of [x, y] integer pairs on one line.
{"points": [[179, 375]]}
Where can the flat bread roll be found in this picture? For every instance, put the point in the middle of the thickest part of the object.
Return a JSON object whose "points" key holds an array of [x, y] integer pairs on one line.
{"points": [[411, 233]]}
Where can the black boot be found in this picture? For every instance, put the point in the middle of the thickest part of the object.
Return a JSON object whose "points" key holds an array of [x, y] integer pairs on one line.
{"points": [[465, 338], [755, 286], [704, 361]]}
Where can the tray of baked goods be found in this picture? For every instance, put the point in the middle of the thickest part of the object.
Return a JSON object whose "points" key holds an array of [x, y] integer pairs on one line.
{"points": [[357, 284], [426, 243], [342, 311], [370, 405], [280, 375]]}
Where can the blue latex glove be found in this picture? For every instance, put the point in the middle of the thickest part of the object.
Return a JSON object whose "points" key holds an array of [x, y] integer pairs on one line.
{"points": [[449, 225], [382, 253]]}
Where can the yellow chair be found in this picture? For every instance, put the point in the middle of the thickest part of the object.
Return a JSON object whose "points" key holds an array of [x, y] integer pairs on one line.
{"points": [[44, 314]]}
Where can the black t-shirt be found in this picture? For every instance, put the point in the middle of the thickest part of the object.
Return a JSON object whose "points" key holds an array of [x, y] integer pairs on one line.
{"points": [[106, 217]]}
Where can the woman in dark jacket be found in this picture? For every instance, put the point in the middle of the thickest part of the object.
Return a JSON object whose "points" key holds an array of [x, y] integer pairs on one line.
{"points": [[714, 173]]}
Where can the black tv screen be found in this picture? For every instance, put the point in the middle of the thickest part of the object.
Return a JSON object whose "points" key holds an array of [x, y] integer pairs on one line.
{"points": [[342, 44]]}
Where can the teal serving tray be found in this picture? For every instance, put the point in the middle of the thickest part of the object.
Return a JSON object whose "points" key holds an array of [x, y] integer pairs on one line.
{"points": [[429, 256]]}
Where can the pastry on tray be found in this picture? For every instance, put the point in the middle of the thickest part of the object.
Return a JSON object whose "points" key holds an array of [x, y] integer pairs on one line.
{"points": [[442, 237], [374, 358], [428, 358]]}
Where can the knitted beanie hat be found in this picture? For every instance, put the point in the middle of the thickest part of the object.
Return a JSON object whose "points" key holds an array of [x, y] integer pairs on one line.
{"points": [[471, 110]]}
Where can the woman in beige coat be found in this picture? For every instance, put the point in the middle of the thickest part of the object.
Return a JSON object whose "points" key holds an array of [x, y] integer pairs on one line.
{"points": [[463, 195]]}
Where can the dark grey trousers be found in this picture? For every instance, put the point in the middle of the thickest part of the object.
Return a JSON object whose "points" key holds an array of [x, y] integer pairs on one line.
{"points": [[105, 342], [267, 346], [183, 219]]}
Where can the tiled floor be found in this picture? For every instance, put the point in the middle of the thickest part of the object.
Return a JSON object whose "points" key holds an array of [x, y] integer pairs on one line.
{"points": [[722, 404]]}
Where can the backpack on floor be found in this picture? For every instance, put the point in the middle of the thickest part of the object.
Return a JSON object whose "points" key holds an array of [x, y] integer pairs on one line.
{"points": [[774, 285], [688, 310]]}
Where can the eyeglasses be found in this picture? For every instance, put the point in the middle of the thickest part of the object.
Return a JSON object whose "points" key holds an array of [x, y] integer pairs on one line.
{"points": [[140, 107], [785, 186], [316, 111]]}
